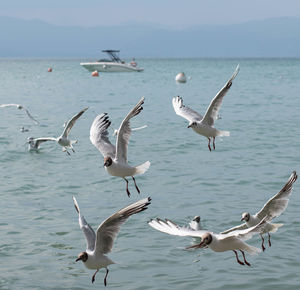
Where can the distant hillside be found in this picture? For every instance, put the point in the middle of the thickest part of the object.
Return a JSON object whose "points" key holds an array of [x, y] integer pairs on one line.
{"points": [[278, 37]]}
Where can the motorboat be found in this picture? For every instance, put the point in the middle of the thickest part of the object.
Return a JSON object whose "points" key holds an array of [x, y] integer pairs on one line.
{"points": [[114, 64]]}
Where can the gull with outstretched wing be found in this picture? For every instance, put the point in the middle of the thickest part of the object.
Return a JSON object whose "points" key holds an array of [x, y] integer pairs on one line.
{"points": [[62, 140], [100, 243], [204, 125], [21, 107], [274, 207], [115, 157], [217, 242]]}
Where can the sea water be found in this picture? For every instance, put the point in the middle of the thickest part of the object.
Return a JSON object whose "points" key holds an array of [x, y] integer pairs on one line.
{"points": [[39, 233]]}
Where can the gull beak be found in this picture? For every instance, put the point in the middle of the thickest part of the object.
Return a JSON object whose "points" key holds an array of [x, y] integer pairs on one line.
{"points": [[242, 218], [189, 126], [78, 259], [201, 245]]}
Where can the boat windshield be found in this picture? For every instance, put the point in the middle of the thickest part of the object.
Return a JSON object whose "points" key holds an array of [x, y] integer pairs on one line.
{"points": [[113, 54]]}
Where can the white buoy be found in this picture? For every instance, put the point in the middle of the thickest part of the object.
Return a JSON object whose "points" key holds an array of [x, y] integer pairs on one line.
{"points": [[95, 74], [180, 78]]}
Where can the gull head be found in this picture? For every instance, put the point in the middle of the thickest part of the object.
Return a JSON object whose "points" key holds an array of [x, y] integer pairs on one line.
{"points": [[196, 219], [83, 256], [107, 161], [30, 140], [192, 125], [245, 216], [206, 240]]}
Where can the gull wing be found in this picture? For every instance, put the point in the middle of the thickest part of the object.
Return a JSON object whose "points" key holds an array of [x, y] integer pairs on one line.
{"points": [[30, 116], [38, 141], [212, 111], [99, 136], [109, 229], [124, 132], [248, 233], [88, 232], [184, 111], [237, 228], [71, 123], [10, 105], [276, 205], [169, 227]]}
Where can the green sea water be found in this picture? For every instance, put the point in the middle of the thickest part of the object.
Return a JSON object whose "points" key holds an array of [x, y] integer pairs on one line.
{"points": [[39, 233]]}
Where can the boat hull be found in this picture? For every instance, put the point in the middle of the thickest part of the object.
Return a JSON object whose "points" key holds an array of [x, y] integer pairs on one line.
{"points": [[109, 67]]}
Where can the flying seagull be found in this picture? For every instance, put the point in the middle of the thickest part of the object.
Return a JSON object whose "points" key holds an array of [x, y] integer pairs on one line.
{"points": [[62, 140], [115, 157], [205, 125], [20, 107], [217, 242], [274, 207], [100, 243]]}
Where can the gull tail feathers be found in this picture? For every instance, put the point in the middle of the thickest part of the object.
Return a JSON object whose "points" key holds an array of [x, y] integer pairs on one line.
{"points": [[252, 250], [275, 227], [142, 168], [223, 133]]}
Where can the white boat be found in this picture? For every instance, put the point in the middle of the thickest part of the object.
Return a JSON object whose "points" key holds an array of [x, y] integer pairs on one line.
{"points": [[114, 64]]}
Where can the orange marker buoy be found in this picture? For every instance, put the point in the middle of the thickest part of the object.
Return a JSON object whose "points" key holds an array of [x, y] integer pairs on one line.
{"points": [[50, 69], [95, 74]]}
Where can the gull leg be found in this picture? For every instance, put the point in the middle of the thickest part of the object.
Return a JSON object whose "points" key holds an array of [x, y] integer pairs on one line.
{"points": [[209, 144], [72, 148], [136, 185], [214, 146], [246, 262], [105, 277], [269, 239], [65, 150], [93, 278], [262, 242], [237, 258], [128, 192]]}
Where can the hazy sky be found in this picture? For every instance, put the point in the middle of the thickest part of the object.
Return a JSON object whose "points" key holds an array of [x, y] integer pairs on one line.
{"points": [[172, 13]]}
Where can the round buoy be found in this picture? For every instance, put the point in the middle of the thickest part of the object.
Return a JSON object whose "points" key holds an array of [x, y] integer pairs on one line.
{"points": [[50, 69], [180, 78], [95, 74]]}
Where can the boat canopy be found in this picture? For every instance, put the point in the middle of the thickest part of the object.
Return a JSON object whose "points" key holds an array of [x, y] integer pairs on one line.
{"points": [[114, 54]]}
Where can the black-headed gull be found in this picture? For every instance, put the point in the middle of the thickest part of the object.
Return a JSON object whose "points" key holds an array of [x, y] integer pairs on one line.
{"points": [[62, 140], [274, 207], [20, 107], [205, 125], [100, 243], [195, 223], [217, 242], [115, 157]]}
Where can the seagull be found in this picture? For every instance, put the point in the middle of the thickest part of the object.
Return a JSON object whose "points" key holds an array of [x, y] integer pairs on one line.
{"points": [[195, 223], [115, 157], [217, 242], [20, 107], [100, 243], [23, 130], [205, 125], [34, 143], [133, 129], [274, 207]]}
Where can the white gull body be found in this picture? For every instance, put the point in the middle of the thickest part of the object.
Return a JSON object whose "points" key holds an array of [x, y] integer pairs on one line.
{"points": [[115, 157], [100, 243], [204, 125], [274, 207]]}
